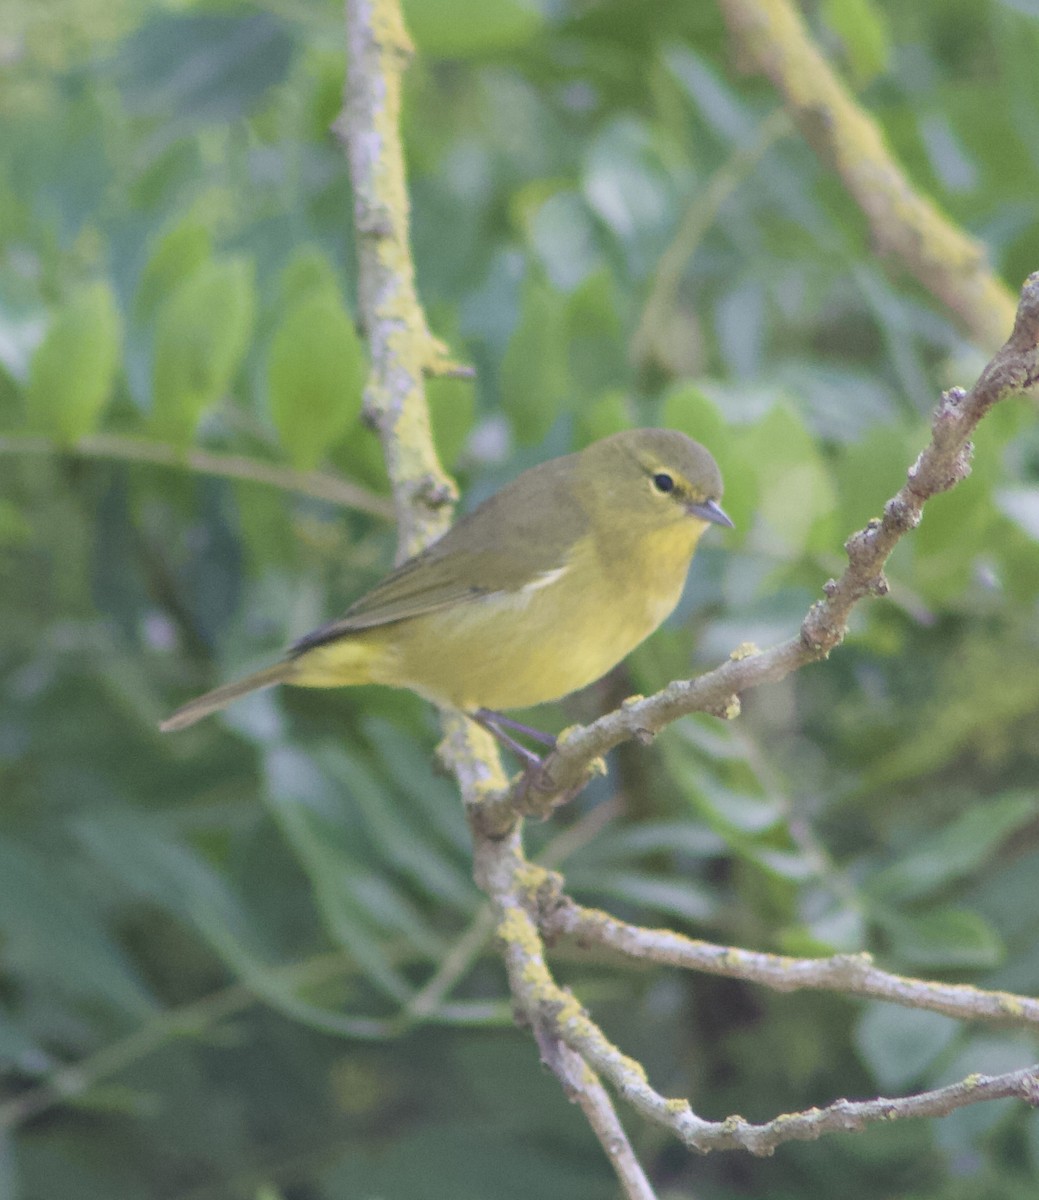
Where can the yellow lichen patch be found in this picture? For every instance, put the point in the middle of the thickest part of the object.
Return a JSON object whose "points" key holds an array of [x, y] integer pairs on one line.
{"points": [[570, 1012], [744, 650], [535, 975], [564, 736], [516, 929], [530, 878]]}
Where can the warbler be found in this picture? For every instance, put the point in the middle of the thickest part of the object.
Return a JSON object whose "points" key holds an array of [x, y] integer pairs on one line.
{"points": [[536, 593]]}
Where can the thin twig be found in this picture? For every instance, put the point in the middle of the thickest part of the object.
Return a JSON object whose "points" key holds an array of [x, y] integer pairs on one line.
{"points": [[698, 218], [127, 448], [849, 974], [905, 226], [597, 1107]]}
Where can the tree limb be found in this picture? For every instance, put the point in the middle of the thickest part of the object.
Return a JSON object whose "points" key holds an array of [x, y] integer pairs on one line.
{"points": [[402, 349], [906, 227], [849, 974]]}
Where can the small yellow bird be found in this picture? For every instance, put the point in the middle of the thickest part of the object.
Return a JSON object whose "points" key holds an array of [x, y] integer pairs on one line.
{"points": [[537, 592]]}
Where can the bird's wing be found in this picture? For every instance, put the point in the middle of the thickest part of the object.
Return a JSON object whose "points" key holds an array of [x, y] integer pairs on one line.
{"points": [[500, 547]]}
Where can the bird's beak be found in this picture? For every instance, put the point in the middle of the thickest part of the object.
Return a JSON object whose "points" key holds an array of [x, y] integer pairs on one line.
{"points": [[711, 511]]}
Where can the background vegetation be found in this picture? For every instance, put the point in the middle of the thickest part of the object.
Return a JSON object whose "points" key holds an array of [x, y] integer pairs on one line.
{"points": [[216, 950]]}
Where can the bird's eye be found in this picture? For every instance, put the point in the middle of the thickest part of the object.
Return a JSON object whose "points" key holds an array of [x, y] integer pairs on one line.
{"points": [[663, 482]]}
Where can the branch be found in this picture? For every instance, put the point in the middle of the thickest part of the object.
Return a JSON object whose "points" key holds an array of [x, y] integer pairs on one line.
{"points": [[587, 1090], [849, 974], [905, 226], [126, 448], [402, 349], [555, 1013], [942, 464]]}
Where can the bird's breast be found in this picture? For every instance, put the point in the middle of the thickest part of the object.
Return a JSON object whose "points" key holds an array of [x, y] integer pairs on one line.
{"points": [[560, 632]]}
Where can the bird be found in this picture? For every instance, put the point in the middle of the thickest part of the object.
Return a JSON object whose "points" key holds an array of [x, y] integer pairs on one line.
{"points": [[536, 593]]}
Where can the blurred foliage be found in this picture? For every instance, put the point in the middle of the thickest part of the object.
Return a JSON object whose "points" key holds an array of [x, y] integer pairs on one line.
{"points": [[215, 947]]}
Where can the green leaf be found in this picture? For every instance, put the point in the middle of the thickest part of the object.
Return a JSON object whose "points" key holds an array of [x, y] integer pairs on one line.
{"points": [[461, 29], [535, 377], [738, 811], [344, 886], [945, 937], [863, 30], [315, 377], [688, 410], [358, 455], [195, 68], [796, 496], [957, 850], [452, 410], [179, 252], [401, 843], [432, 797], [53, 936], [15, 528], [628, 842], [627, 183], [595, 336], [73, 371], [870, 471], [307, 271], [610, 413], [201, 336], [841, 928], [682, 898], [899, 1044]]}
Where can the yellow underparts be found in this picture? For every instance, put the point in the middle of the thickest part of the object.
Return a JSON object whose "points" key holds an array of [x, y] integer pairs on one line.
{"points": [[517, 649]]}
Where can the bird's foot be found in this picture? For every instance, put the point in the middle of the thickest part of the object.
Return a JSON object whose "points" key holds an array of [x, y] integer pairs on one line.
{"points": [[499, 725], [535, 785]]}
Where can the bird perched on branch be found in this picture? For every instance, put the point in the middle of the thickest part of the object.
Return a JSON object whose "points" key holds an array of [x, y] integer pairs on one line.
{"points": [[536, 593]]}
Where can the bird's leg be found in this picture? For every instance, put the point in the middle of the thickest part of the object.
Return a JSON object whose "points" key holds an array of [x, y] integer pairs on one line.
{"points": [[496, 718], [535, 778], [494, 722]]}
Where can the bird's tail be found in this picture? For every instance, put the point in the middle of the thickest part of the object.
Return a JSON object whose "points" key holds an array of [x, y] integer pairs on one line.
{"points": [[220, 697]]}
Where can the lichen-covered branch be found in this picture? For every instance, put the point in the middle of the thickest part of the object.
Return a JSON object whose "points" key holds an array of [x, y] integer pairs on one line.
{"points": [[402, 349], [849, 974], [941, 465], [905, 227], [598, 1109], [556, 1015]]}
